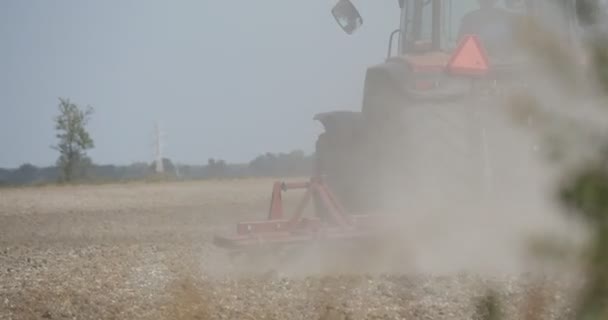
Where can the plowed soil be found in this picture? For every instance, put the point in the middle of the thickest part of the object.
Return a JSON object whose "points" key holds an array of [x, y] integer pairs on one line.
{"points": [[144, 251]]}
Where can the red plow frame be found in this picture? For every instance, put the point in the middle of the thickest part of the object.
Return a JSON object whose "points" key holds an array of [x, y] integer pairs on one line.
{"points": [[330, 221]]}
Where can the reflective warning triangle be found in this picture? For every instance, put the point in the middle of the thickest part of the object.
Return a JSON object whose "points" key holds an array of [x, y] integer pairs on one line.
{"points": [[469, 58]]}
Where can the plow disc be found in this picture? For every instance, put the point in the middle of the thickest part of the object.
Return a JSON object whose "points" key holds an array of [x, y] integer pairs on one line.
{"points": [[329, 223]]}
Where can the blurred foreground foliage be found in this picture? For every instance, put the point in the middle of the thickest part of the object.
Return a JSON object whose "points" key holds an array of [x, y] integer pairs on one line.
{"points": [[583, 189], [587, 195]]}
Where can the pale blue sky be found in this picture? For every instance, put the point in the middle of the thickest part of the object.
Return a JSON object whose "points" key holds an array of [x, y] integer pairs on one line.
{"points": [[227, 79]]}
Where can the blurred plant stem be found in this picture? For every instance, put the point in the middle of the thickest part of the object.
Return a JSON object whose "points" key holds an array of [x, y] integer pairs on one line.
{"points": [[587, 195], [488, 307]]}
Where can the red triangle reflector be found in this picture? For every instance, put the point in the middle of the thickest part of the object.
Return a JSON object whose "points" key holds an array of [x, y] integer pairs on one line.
{"points": [[469, 58]]}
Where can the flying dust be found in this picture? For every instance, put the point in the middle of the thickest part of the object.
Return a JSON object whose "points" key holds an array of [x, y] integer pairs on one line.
{"points": [[475, 190]]}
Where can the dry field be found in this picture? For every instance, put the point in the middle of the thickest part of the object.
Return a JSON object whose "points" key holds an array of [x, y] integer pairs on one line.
{"points": [[144, 251]]}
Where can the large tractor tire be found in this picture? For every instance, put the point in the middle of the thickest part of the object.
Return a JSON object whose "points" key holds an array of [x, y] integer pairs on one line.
{"points": [[408, 153], [339, 158]]}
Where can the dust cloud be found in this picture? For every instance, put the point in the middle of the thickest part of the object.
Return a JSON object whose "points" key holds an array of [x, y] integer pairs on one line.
{"points": [[476, 190]]}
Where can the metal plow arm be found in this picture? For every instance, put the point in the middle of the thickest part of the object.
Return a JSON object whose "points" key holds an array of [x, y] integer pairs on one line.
{"points": [[330, 221]]}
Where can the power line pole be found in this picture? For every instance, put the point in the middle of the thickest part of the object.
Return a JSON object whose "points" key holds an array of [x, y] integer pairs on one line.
{"points": [[159, 149]]}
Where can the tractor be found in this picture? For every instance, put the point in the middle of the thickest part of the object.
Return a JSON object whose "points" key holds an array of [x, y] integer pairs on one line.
{"points": [[431, 132], [430, 135]]}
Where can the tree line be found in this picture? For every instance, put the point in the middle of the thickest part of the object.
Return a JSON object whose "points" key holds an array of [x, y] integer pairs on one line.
{"points": [[295, 163], [73, 163]]}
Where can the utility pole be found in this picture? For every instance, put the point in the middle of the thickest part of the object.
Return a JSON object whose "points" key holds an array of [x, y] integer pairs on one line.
{"points": [[158, 149]]}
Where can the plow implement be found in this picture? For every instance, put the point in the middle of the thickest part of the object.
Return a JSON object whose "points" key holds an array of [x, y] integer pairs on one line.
{"points": [[328, 223]]}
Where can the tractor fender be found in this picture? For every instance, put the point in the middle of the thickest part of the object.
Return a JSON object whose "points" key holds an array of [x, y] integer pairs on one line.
{"points": [[385, 89], [340, 123]]}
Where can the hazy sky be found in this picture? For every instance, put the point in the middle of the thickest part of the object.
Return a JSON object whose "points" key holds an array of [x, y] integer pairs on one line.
{"points": [[226, 79]]}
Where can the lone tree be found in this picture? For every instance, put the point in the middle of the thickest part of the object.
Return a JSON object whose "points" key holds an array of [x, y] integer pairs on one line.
{"points": [[74, 139]]}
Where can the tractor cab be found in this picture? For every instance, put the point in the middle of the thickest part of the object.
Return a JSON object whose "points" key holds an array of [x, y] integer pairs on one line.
{"points": [[426, 26], [441, 45], [431, 31]]}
